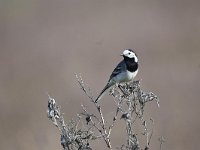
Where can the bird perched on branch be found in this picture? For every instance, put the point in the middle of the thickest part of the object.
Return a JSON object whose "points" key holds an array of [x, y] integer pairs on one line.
{"points": [[125, 71]]}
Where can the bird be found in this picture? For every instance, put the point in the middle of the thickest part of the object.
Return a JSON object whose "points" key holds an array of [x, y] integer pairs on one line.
{"points": [[124, 72]]}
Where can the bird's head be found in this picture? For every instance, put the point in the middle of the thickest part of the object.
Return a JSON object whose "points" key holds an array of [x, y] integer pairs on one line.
{"points": [[129, 53]]}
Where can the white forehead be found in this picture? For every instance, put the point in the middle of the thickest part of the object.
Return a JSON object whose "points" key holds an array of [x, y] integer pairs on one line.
{"points": [[130, 54], [126, 52]]}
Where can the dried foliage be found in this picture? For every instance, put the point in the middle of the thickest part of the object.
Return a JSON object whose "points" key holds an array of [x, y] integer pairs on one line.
{"points": [[88, 126]]}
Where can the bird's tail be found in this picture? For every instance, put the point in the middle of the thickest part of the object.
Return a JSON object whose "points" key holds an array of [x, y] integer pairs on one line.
{"points": [[103, 92]]}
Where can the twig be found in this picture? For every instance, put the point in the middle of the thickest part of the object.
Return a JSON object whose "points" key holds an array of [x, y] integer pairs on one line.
{"points": [[104, 133], [161, 140]]}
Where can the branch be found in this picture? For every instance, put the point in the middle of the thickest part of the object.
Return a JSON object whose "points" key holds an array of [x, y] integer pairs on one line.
{"points": [[130, 101]]}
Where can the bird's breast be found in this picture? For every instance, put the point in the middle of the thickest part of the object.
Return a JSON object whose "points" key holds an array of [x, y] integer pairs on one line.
{"points": [[126, 76]]}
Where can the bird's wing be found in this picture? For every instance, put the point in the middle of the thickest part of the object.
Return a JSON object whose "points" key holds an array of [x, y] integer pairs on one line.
{"points": [[120, 67]]}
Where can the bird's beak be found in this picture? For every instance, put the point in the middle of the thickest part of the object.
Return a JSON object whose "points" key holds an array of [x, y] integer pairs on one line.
{"points": [[121, 54]]}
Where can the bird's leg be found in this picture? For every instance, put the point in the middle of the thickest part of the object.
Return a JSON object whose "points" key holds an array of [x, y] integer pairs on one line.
{"points": [[122, 90], [127, 85]]}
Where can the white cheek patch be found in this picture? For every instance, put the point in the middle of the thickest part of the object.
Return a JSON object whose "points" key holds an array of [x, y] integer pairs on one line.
{"points": [[135, 57]]}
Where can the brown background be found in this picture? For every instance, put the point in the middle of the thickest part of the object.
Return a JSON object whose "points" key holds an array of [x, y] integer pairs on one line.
{"points": [[44, 42]]}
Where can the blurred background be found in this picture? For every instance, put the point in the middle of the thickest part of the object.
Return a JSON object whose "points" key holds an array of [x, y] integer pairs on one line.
{"points": [[43, 43]]}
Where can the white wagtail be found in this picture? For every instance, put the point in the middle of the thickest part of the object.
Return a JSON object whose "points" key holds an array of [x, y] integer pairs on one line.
{"points": [[125, 71]]}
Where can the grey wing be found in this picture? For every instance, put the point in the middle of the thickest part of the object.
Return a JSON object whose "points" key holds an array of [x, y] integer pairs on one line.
{"points": [[120, 67]]}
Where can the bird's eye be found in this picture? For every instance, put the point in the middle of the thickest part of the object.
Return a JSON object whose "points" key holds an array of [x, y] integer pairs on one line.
{"points": [[129, 53]]}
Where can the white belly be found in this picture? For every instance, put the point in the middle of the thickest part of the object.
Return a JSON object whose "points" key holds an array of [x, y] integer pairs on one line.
{"points": [[125, 76]]}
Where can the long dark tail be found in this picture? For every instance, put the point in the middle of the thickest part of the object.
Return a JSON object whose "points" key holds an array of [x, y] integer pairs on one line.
{"points": [[103, 92]]}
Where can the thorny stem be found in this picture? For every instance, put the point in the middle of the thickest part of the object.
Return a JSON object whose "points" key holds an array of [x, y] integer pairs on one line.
{"points": [[130, 102], [104, 134]]}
